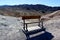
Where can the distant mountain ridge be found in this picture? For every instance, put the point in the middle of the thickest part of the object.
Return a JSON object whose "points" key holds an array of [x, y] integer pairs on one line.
{"points": [[27, 9], [35, 7]]}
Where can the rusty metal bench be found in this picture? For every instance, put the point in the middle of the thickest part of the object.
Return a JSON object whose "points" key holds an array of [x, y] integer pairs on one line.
{"points": [[25, 28], [31, 17]]}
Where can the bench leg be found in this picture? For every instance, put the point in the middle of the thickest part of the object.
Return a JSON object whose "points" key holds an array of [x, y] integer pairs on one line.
{"points": [[39, 23], [24, 25], [42, 24], [26, 28]]}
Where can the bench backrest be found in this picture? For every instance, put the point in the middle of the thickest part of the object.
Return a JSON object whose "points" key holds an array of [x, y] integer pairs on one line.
{"points": [[31, 17]]}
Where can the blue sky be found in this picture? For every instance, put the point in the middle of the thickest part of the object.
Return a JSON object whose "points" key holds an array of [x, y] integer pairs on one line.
{"points": [[17, 2]]}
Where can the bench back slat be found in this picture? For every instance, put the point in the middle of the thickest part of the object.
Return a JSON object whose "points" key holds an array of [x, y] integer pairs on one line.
{"points": [[31, 17]]}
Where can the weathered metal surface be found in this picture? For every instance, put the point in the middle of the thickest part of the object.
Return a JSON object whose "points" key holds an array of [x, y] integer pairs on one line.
{"points": [[31, 17]]}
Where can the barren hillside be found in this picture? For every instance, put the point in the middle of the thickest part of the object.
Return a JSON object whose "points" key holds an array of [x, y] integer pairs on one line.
{"points": [[26, 10], [54, 15]]}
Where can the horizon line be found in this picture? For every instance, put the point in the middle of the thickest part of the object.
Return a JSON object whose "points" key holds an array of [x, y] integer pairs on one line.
{"points": [[26, 4]]}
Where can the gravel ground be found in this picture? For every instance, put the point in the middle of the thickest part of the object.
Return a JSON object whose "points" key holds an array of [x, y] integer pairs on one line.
{"points": [[11, 28], [53, 26]]}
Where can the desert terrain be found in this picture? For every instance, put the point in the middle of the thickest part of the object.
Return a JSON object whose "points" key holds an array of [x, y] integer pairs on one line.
{"points": [[11, 22]]}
